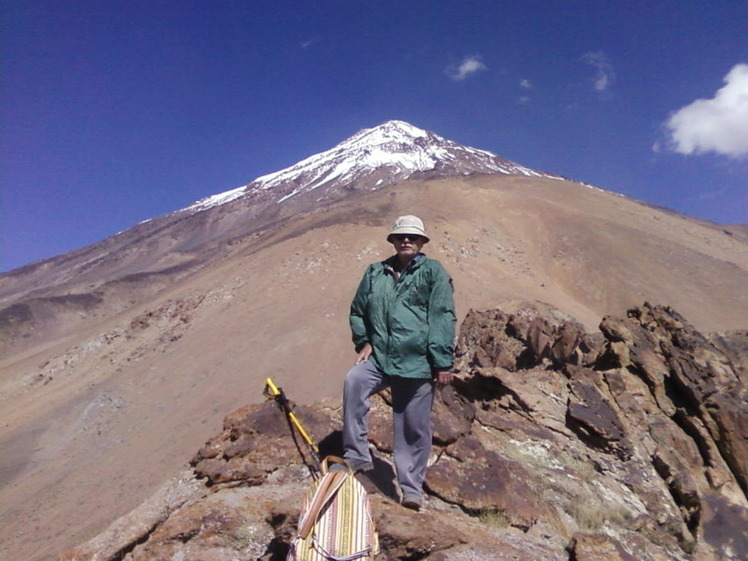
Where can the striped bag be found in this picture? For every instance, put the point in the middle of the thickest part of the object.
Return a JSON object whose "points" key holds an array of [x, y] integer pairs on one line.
{"points": [[335, 523]]}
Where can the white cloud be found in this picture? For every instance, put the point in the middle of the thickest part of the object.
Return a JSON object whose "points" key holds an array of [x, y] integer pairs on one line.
{"points": [[716, 125], [525, 84], [469, 66], [605, 75], [309, 42]]}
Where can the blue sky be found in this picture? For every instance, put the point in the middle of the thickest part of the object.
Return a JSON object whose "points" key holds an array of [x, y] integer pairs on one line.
{"points": [[114, 112]]}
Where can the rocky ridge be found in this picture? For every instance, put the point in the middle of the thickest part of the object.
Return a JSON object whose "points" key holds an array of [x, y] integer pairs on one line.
{"points": [[554, 444]]}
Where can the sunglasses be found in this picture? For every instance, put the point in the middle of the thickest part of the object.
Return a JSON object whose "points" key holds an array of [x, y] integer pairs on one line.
{"points": [[403, 237]]}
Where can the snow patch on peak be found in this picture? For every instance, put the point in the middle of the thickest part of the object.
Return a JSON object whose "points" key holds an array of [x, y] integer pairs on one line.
{"points": [[390, 144], [371, 159], [219, 199], [389, 131]]}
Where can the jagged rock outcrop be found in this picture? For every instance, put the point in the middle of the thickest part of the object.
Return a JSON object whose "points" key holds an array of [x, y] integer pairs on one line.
{"points": [[552, 445]]}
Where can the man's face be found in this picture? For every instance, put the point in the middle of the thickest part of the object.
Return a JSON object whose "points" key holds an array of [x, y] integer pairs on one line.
{"points": [[407, 245]]}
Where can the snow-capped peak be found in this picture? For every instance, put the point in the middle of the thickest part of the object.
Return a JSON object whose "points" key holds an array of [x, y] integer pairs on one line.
{"points": [[371, 159]]}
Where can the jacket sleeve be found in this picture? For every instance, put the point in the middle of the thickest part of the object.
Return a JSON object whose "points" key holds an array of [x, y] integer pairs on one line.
{"points": [[358, 312], [442, 319]]}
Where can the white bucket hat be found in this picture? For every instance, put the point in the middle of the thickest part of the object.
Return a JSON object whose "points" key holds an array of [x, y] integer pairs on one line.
{"points": [[408, 224]]}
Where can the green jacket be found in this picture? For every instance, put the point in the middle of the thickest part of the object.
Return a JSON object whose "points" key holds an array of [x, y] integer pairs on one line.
{"points": [[410, 322]]}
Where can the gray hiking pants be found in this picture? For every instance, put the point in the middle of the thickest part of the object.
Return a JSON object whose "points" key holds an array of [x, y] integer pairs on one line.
{"points": [[412, 400]]}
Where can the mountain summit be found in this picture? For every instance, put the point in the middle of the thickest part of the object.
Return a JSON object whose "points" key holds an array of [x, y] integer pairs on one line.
{"points": [[186, 239], [371, 159]]}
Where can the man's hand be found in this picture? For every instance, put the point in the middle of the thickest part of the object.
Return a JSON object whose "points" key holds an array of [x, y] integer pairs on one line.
{"points": [[364, 354], [444, 377]]}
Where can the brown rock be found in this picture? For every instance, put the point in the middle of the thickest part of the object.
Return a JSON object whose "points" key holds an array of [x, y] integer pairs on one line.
{"points": [[452, 416], [723, 528], [695, 370], [484, 342], [257, 440], [533, 399], [566, 344], [407, 535], [590, 413], [596, 547], [226, 525], [539, 340], [479, 480], [730, 410], [734, 345]]}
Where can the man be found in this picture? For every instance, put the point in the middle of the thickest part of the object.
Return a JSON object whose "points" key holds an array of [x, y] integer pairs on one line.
{"points": [[403, 322]]}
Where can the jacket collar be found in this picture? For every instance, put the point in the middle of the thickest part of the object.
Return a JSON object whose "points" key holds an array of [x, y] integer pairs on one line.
{"points": [[389, 263]]}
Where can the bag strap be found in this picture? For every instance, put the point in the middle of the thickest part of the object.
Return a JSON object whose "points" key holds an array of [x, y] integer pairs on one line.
{"points": [[328, 487], [325, 464]]}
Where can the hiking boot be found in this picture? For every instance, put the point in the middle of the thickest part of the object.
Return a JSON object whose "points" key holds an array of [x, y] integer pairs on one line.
{"points": [[412, 502], [358, 467], [363, 477]]}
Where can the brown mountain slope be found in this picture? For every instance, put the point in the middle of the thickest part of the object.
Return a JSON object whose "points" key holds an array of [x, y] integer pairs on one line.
{"points": [[96, 417]]}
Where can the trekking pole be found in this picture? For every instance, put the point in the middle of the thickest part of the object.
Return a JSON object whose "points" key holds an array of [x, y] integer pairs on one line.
{"points": [[275, 393]]}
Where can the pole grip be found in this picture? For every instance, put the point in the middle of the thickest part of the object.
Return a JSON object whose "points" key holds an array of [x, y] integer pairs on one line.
{"points": [[273, 389]]}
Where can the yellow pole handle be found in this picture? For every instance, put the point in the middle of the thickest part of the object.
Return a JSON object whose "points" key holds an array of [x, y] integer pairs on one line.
{"points": [[274, 392]]}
